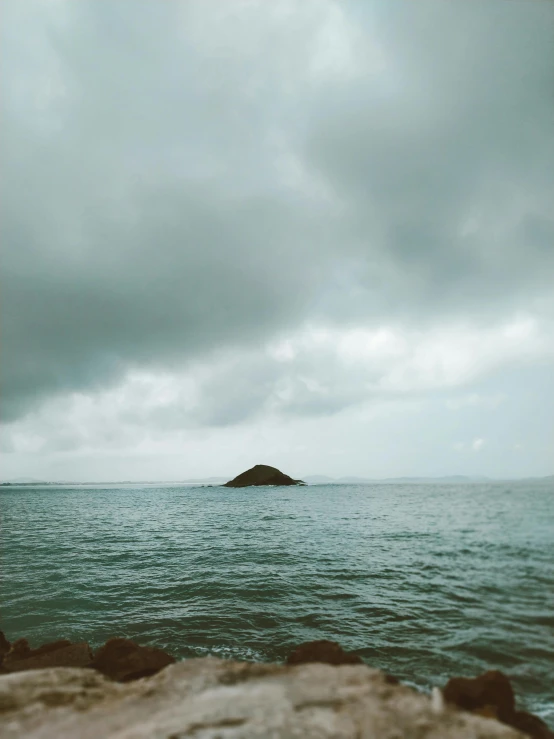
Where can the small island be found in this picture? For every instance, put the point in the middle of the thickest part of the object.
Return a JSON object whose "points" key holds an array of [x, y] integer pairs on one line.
{"points": [[262, 474]]}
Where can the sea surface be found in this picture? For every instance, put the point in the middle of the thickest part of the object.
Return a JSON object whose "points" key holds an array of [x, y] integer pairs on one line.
{"points": [[424, 581]]}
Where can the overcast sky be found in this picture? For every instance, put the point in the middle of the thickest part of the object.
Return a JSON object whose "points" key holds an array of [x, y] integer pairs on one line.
{"points": [[313, 234]]}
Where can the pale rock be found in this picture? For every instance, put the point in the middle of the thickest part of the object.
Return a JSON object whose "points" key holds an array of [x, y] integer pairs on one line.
{"points": [[217, 699]]}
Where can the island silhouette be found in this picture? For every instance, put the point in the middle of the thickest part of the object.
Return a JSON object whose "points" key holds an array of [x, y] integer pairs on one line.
{"points": [[262, 474]]}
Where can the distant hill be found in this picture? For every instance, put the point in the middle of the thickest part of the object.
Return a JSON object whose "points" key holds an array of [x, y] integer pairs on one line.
{"points": [[318, 479], [29, 481], [324, 480], [212, 480], [24, 481]]}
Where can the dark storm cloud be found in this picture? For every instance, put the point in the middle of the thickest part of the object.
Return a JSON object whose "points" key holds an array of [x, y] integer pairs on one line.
{"points": [[314, 384], [145, 220], [468, 133], [123, 246]]}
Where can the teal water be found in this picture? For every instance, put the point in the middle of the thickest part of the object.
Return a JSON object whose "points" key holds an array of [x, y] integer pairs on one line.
{"points": [[423, 581]]}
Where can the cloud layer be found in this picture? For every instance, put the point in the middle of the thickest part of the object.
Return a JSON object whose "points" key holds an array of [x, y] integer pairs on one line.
{"points": [[270, 209]]}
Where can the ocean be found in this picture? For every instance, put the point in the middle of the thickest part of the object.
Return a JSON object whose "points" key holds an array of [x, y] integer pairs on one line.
{"points": [[423, 581]]}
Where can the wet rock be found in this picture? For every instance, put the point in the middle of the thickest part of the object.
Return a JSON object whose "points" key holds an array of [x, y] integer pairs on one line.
{"points": [[20, 649], [491, 695], [328, 652], [491, 690], [4, 646], [261, 474], [532, 725], [124, 660], [53, 654]]}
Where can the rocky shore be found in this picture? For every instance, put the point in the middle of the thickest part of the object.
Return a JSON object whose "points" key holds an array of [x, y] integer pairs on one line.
{"points": [[64, 689]]}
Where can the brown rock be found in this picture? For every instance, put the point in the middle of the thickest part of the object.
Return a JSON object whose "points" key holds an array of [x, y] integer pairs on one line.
{"points": [[486, 712], [123, 660], [532, 725], [20, 648], [49, 647], [4, 646], [54, 654], [491, 691], [325, 651], [491, 695]]}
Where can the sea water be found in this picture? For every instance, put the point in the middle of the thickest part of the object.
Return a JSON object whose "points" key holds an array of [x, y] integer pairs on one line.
{"points": [[423, 581]]}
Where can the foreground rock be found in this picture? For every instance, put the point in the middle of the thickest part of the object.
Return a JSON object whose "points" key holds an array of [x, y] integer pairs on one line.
{"points": [[327, 652], [334, 703], [209, 698], [491, 694], [123, 660], [262, 474], [119, 659], [61, 653], [5, 647]]}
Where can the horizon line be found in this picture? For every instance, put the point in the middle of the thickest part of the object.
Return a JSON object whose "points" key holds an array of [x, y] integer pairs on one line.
{"points": [[348, 479]]}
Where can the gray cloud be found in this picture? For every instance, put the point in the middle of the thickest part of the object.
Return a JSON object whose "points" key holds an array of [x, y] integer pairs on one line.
{"points": [[182, 177], [467, 136]]}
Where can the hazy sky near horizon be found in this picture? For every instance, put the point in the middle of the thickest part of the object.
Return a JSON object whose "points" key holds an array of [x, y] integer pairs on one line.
{"points": [[317, 235]]}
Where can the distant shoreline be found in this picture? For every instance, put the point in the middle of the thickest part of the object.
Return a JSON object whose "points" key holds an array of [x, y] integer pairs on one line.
{"points": [[310, 480]]}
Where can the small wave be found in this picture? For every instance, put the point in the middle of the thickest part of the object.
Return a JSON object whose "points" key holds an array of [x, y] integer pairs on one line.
{"points": [[224, 651]]}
